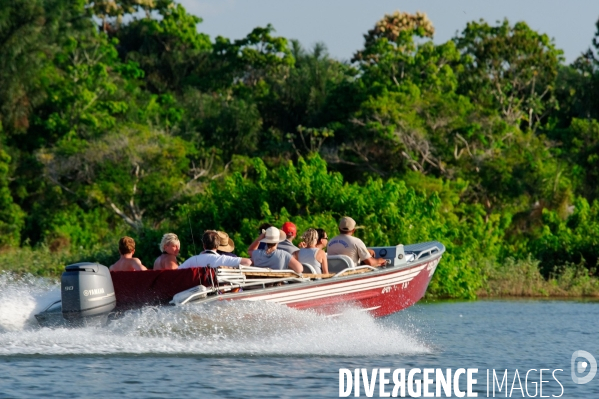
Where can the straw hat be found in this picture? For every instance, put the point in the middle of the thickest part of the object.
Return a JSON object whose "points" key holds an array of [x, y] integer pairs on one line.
{"points": [[273, 235], [225, 242]]}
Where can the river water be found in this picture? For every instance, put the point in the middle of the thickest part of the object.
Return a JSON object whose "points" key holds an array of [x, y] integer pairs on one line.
{"points": [[263, 350]]}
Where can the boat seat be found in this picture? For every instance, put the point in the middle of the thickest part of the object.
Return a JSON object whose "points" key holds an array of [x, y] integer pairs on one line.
{"points": [[338, 263], [308, 268]]}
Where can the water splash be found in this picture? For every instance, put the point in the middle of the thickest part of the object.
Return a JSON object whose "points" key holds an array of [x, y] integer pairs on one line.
{"points": [[21, 297], [221, 329]]}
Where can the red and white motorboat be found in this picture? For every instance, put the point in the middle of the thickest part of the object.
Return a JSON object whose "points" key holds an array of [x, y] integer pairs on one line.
{"points": [[381, 290], [90, 293]]}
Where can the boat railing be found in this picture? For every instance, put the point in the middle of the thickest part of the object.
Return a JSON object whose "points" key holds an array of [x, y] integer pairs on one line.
{"points": [[238, 277], [353, 269], [251, 276], [256, 271], [426, 252], [424, 249]]}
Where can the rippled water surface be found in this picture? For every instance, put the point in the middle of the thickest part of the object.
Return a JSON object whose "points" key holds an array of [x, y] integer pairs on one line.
{"points": [[264, 350]]}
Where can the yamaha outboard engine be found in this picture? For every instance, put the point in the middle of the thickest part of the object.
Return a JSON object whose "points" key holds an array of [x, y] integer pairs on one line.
{"points": [[87, 294]]}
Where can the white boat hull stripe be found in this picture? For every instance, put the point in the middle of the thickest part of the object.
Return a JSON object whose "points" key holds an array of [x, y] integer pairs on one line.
{"points": [[340, 288], [347, 285], [294, 297], [334, 293]]}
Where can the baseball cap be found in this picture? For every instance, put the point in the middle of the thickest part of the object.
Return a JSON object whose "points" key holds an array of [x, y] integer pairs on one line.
{"points": [[289, 228], [347, 224]]}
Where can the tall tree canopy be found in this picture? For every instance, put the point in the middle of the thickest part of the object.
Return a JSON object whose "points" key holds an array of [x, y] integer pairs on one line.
{"points": [[123, 117]]}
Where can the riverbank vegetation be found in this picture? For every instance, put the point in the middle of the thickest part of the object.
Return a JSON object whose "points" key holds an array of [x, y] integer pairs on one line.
{"points": [[122, 117]]}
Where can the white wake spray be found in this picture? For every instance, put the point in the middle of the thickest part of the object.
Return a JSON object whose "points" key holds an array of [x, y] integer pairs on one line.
{"points": [[21, 298], [229, 329]]}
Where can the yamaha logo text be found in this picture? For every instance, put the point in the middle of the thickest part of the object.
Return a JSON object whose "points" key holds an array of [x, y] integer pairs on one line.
{"points": [[95, 291]]}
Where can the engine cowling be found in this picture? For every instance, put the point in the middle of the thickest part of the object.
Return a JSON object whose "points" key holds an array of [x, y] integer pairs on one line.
{"points": [[87, 292]]}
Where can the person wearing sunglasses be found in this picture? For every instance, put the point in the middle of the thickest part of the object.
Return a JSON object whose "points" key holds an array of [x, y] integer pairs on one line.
{"points": [[323, 239]]}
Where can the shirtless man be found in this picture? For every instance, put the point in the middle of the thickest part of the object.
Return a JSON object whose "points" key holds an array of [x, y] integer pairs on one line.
{"points": [[169, 246], [127, 263]]}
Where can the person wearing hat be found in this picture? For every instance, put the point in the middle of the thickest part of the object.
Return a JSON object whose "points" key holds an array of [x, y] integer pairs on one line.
{"points": [[261, 229], [210, 258], [271, 256], [226, 245], [169, 246], [346, 244], [290, 233]]}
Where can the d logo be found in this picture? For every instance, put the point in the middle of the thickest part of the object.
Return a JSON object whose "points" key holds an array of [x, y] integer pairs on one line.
{"points": [[582, 366]]}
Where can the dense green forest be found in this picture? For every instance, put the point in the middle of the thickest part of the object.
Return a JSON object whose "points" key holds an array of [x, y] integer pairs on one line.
{"points": [[120, 117]]}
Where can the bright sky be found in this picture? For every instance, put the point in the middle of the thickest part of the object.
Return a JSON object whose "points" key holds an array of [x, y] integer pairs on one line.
{"points": [[341, 24]]}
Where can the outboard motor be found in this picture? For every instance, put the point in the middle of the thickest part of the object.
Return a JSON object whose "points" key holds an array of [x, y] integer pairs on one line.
{"points": [[87, 294]]}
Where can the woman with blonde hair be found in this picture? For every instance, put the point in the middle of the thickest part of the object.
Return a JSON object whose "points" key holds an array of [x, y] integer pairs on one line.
{"points": [[169, 246], [311, 254]]}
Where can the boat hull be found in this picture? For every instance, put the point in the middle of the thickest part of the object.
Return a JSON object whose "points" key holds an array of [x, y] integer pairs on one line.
{"points": [[381, 293]]}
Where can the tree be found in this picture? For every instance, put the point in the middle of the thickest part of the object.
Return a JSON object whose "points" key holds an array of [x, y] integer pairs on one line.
{"points": [[11, 215], [389, 54], [90, 91], [574, 240], [395, 30], [136, 172], [31, 33], [116, 9], [511, 69], [87, 92], [244, 62], [579, 147], [578, 86], [298, 100], [411, 114], [170, 50], [221, 124]]}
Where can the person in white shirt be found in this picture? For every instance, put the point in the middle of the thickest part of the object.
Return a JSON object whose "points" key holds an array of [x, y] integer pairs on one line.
{"points": [[211, 258], [346, 244]]}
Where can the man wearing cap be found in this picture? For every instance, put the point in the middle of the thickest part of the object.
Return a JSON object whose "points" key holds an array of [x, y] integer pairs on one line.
{"points": [[271, 256], [290, 232], [210, 258], [346, 244]]}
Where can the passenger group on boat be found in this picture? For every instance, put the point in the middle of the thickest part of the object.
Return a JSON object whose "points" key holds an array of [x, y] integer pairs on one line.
{"points": [[273, 249], [301, 277]]}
